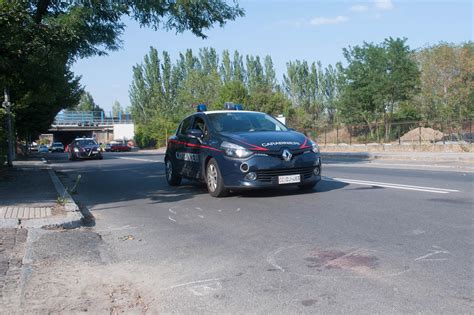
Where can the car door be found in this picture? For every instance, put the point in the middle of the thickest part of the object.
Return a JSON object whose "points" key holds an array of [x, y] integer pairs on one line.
{"points": [[194, 148], [181, 148]]}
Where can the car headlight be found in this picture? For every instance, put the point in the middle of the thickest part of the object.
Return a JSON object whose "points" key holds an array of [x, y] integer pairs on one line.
{"points": [[234, 150], [76, 150], [314, 147]]}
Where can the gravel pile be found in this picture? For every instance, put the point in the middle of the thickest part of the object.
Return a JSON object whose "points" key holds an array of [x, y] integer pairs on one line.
{"points": [[427, 134]]}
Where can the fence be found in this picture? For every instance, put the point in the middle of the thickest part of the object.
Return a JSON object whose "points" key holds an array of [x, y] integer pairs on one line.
{"points": [[413, 132]]}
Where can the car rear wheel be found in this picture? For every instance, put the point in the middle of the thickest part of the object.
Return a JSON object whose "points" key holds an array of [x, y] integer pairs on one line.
{"points": [[171, 177], [214, 181]]}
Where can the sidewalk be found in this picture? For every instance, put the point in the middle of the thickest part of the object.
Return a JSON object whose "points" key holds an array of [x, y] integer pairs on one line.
{"points": [[32, 196]]}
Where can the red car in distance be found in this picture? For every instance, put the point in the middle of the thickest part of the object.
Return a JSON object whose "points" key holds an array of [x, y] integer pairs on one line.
{"points": [[117, 146]]}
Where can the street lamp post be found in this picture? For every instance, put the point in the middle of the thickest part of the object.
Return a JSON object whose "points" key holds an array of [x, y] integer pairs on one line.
{"points": [[7, 105]]}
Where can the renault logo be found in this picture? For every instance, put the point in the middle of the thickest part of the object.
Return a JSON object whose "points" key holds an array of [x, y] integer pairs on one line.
{"points": [[286, 155]]}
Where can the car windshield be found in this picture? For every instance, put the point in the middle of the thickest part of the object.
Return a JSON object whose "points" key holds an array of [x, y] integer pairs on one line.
{"points": [[57, 144], [86, 142], [244, 122]]}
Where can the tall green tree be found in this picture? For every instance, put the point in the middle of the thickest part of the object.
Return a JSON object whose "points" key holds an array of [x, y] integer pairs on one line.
{"points": [[447, 81], [87, 103], [379, 78], [40, 39], [116, 108]]}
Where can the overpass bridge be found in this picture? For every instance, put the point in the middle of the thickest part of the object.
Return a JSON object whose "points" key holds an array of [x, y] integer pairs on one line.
{"points": [[69, 125]]}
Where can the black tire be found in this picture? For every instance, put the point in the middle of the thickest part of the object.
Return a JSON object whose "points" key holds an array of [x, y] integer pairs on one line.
{"points": [[171, 177], [214, 180], [307, 186]]}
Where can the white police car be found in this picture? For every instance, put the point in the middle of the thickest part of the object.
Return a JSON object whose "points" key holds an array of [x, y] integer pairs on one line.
{"points": [[234, 149]]}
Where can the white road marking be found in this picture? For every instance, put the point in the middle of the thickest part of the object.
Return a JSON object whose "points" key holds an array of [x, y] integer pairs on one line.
{"points": [[432, 253], [193, 282], [392, 185], [138, 159], [173, 212], [172, 219], [271, 259]]}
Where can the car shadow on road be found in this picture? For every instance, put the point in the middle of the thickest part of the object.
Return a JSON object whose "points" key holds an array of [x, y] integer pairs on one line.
{"points": [[322, 187], [110, 185]]}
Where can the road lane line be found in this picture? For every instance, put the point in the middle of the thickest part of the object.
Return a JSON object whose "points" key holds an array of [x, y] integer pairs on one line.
{"points": [[138, 159], [401, 185], [392, 185]]}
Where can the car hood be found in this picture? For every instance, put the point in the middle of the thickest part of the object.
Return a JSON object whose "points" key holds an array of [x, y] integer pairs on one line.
{"points": [[269, 140]]}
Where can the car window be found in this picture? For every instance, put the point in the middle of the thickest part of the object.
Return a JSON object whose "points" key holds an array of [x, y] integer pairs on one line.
{"points": [[201, 125], [185, 125], [85, 142], [245, 122]]}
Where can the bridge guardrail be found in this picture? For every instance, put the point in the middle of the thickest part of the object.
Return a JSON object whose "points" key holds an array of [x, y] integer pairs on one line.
{"points": [[76, 118]]}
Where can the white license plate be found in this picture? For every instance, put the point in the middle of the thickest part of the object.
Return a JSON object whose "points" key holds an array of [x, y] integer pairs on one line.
{"points": [[288, 179]]}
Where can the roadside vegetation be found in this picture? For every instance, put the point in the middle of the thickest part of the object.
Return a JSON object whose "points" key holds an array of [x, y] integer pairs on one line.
{"points": [[40, 40], [381, 85]]}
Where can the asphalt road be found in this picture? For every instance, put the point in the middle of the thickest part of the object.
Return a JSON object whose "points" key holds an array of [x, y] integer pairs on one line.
{"points": [[386, 238]]}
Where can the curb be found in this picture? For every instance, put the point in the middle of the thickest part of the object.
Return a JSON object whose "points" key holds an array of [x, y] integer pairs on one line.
{"points": [[397, 157], [74, 216]]}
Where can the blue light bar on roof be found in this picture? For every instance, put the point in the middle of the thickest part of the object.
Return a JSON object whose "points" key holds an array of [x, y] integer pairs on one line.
{"points": [[201, 108], [232, 106]]}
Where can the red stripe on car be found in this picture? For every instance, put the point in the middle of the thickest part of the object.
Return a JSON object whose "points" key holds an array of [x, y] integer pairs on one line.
{"points": [[193, 145]]}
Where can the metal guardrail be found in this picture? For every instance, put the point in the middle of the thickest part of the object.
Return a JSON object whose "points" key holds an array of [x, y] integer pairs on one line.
{"points": [[76, 118]]}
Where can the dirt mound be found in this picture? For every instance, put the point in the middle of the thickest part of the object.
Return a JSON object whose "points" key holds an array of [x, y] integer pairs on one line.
{"points": [[427, 134]]}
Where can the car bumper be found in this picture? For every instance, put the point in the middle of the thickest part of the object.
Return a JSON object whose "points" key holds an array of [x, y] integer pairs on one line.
{"points": [[268, 169], [87, 155]]}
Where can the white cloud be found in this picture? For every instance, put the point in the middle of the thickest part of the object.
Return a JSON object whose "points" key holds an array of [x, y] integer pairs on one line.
{"points": [[359, 8], [320, 20], [383, 5]]}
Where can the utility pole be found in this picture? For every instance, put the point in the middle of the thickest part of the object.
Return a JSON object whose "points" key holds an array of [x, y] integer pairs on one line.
{"points": [[7, 105]]}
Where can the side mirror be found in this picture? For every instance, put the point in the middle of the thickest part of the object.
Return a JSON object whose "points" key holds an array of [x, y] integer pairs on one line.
{"points": [[195, 134]]}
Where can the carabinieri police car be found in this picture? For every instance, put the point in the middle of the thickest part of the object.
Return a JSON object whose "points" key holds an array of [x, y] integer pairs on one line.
{"points": [[234, 149]]}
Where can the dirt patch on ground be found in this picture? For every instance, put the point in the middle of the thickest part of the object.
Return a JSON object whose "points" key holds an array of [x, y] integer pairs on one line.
{"points": [[83, 288], [426, 134]]}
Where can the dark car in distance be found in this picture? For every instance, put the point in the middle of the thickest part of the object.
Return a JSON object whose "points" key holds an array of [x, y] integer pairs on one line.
{"points": [[235, 149], [57, 147], [84, 148]]}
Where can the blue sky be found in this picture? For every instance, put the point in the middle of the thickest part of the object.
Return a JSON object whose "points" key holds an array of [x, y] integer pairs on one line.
{"points": [[286, 30]]}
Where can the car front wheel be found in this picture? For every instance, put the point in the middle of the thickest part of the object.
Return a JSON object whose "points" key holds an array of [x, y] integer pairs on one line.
{"points": [[214, 181], [171, 177]]}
